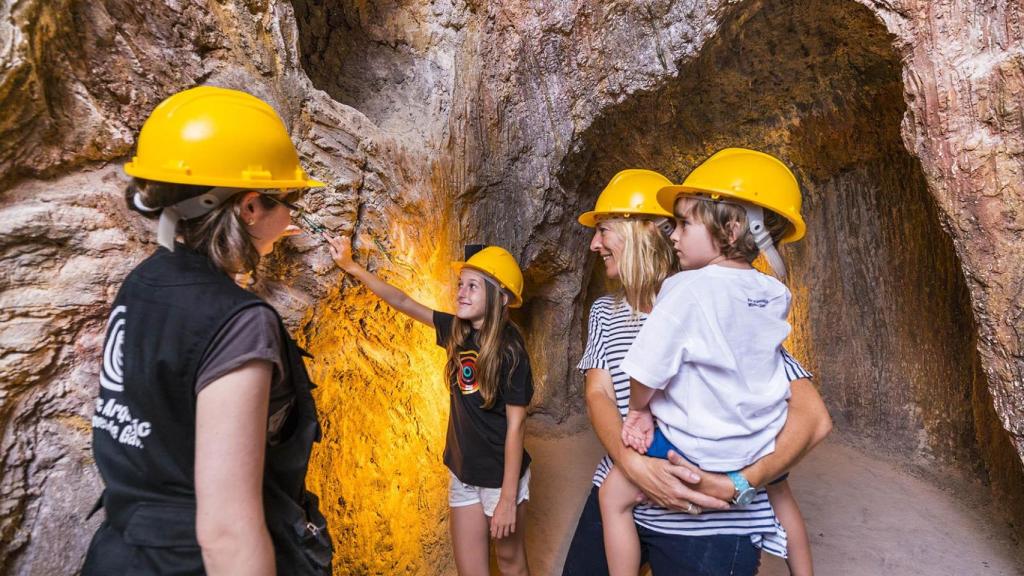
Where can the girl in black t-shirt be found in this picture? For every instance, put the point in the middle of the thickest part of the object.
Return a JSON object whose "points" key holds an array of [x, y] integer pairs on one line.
{"points": [[490, 386]]}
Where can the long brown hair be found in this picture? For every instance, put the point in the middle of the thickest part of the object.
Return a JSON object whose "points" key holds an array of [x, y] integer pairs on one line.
{"points": [[220, 234], [499, 341], [647, 260]]}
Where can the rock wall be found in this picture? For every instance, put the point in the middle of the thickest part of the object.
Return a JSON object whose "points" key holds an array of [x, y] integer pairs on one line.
{"points": [[437, 124]]}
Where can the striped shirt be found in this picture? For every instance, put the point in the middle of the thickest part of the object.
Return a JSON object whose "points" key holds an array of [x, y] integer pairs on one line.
{"points": [[612, 327]]}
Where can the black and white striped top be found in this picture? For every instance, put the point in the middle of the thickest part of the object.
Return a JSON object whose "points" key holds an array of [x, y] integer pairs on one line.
{"points": [[611, 330]]}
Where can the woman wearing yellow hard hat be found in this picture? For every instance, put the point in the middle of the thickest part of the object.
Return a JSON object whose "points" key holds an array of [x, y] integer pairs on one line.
{"points": [[687, 522], [490, 385], [204, 422]]}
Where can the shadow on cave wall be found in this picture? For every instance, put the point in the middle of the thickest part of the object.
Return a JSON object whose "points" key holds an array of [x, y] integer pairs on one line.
{"points": [[882, 314]]}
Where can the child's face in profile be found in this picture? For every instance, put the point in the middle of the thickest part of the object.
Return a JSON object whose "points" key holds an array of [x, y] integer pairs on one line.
{"points": [[692, 241], [471, 298]]}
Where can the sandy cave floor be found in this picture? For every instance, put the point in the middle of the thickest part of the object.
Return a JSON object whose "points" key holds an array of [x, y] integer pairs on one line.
{"points": [[866, 517]]}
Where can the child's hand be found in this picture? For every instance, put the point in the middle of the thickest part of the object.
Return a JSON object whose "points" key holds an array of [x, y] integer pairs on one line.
{"points": [[638, 430], [341, 252], [503, 523]]}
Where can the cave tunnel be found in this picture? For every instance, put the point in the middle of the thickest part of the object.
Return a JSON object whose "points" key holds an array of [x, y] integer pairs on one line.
{"points": [[881, 311], [882, 315]]}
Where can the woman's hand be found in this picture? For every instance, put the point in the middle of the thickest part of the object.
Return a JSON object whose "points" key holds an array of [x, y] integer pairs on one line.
{"points": [[341, 252], [711, 484], [638, 430], [670, 484], [503, 523]]}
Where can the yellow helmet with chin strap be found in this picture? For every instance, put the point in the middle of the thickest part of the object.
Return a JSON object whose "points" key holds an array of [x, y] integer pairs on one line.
{"points": [[754, 180], [209, 136], [745, 175], [629, 194], [500, 266]]}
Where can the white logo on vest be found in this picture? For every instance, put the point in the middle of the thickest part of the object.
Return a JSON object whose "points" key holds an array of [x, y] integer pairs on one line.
{"points": [[110, 415], [112, 373]]}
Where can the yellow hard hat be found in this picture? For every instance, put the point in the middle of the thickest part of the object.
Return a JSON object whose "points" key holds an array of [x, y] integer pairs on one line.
{"points": [[501, 266], [209, 136], [629, 193], [747, 175]]}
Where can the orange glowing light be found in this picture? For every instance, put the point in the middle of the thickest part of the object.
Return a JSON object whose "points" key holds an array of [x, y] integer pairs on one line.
{"points": [[384, 405]]}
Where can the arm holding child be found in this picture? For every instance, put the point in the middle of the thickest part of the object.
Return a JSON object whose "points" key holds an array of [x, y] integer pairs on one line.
{"points": [[807, 424], [668, 485]]}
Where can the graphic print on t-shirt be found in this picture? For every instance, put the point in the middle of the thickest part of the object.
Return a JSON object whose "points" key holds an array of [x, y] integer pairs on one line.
{"points": [[467, 372]]}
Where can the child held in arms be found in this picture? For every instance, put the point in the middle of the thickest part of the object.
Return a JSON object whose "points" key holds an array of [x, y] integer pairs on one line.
{"points": [[707, 378]]}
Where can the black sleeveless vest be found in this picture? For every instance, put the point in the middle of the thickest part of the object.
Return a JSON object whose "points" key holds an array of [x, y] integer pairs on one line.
{"points": [[165, 315]]}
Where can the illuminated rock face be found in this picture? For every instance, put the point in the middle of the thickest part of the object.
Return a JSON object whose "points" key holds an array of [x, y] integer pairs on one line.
{"points": [[452, 122]]}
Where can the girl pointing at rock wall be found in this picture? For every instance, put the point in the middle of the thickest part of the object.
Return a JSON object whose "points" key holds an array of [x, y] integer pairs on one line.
{"points": [[490, 385]]}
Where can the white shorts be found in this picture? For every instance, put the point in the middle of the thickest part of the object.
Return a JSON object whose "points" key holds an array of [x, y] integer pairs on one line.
{"points": [[461, 494]]}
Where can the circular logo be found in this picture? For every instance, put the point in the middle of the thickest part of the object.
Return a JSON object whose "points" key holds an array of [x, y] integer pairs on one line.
{"points": [[467, 372], [112, 373]]}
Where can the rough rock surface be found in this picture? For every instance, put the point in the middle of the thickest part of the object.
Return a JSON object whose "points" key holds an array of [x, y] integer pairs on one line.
{"points": [[447, 122]]}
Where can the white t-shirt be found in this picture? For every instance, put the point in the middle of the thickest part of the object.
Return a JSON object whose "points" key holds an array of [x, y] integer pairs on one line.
{"points": [[711, 348]]}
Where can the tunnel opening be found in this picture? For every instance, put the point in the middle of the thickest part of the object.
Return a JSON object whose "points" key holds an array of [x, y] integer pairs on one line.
{"points": [[882, 313]]}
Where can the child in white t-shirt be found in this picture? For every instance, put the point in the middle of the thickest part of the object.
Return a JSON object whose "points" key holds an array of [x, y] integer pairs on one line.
{"points": [[706, 364]]}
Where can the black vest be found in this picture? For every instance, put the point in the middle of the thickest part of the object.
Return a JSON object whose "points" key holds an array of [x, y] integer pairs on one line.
{"points": [[165, 315]]}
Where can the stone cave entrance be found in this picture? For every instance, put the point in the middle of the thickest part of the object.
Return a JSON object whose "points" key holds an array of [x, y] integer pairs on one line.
{"points": [[881, 310], [882, 314]]}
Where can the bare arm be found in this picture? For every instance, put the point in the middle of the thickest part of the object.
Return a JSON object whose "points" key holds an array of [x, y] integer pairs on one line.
{"points": [[807, 424], [662, 481], [638, 427], [341, 251], [231, 429], [639, 395], [504, 521]]}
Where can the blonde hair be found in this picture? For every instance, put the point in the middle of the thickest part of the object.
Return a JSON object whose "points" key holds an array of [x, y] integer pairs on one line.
{"points": [[220, 234], [721, 217], [499, 341], [647, 259]]}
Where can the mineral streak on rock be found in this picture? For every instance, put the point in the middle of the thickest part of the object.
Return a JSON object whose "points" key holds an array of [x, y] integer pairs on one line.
{"points": [[437, 124]]}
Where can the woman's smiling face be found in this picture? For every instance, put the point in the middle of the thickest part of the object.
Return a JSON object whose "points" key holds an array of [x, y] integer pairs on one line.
{"points": [[608, 245]]}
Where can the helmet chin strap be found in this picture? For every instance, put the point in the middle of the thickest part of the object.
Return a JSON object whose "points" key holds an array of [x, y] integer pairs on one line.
{"points": [[186, 210], [755, 220]]}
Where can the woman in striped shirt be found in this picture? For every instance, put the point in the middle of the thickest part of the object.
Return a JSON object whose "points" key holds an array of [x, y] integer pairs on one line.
{"points": [[687, 526]]}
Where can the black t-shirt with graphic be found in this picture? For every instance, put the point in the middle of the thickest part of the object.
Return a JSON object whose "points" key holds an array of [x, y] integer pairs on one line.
{"points": [[475, 448]]}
